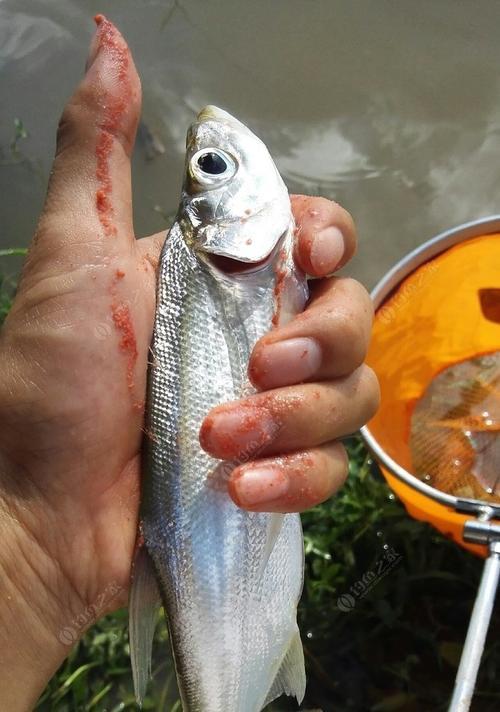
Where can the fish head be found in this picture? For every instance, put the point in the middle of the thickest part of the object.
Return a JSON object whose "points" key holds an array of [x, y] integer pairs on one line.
{"points": [[234, 202]]}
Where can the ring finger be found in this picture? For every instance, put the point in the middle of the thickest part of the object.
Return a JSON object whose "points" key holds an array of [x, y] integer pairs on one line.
{"points": [[291, 483]]}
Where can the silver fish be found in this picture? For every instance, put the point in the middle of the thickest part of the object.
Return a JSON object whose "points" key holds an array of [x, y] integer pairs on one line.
{"points": [[229, 580]]}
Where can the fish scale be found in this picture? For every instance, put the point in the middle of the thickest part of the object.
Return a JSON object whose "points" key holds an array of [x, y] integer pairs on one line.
{"points": [[229, 579]]}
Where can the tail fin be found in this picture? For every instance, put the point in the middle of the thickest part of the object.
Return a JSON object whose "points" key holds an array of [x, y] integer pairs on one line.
{"points": [[144, 602]]}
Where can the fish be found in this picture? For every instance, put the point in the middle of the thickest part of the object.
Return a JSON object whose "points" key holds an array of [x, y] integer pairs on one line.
{"points": [[229, 580]]}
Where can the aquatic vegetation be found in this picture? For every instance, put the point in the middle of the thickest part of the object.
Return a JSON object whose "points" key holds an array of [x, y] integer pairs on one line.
{"points": [[12, 153]]}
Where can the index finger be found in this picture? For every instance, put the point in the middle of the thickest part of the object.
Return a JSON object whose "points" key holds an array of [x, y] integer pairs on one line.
{"points": [[326, 236]]}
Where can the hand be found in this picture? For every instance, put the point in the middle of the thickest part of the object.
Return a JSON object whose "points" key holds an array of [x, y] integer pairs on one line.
{"points": [[74, 360], [314, 388]]}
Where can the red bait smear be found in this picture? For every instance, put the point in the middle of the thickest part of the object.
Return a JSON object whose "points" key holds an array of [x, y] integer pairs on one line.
{"points": [[128, 345], [249, 430], [298, 468], [122, 319], [279, 286], [114, 102], [114, 109]]}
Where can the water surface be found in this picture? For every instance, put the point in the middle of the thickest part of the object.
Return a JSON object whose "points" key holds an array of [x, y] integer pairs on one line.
{"points": [[391, 108]]}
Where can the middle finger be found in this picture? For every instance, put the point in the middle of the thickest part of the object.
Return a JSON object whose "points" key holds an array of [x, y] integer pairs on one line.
{"points": [[291, 418], [328, 340]]}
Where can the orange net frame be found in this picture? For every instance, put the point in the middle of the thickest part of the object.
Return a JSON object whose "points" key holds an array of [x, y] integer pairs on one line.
{"points": [[436, 351]]}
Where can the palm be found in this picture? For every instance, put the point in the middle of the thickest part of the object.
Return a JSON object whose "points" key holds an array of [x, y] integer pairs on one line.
{"points": [[85, 383]]}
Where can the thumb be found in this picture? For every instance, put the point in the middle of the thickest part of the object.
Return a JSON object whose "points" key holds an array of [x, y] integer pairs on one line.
{"points": [[88, 210]]}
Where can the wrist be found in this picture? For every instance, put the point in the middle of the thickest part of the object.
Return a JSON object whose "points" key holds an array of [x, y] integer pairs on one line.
{"points": [[34, 614]]}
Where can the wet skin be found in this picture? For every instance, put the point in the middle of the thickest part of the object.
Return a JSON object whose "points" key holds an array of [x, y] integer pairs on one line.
{"points": [[74, 355]]}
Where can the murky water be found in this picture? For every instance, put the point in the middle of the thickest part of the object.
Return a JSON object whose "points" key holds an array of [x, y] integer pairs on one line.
{"points": [[391, 108]]}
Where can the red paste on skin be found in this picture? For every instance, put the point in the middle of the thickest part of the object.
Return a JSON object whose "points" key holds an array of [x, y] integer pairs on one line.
{"points": [[114, 104], [279, 286], [297, 468], [259, 425], [114, 109], [232, 443], [304, 248], [128, 345], [301, 494], [256, 369], [122, 320], [304, 245]]}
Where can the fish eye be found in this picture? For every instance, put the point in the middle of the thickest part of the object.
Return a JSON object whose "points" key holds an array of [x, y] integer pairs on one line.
{"points": [[212, 167], [212, 163]]}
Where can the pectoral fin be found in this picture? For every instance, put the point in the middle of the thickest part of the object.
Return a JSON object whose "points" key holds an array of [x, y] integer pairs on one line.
{"points": [[291, 677], [144, 603]]}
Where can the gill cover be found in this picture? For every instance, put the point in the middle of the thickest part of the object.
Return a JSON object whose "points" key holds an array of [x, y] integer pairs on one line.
{"points": [[234, 202]]}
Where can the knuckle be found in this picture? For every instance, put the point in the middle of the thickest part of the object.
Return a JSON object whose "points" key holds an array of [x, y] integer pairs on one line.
{"points": [[354, 290], [330, 213], [66, 127], [314, 212], [74, 118], [336, 467], [349, 331]]}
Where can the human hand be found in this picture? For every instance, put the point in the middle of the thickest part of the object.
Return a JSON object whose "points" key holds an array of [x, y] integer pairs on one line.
{"points": [[313, 386], [74, 354]]}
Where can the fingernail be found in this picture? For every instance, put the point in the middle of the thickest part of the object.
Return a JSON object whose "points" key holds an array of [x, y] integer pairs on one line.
{"points": [[285, 362], [258, 485], [327, 250], [237, 431], [95, 43]]}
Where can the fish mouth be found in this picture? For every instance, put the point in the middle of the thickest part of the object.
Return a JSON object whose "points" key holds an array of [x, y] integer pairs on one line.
{"points": [[229, 265], [232, 265]]}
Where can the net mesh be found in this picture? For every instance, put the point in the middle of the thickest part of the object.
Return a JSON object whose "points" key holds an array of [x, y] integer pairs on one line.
{"points": [[436, 351], [455, 428]]}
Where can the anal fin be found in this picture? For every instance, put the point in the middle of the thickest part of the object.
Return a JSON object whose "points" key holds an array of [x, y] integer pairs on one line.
{"points": [[144, 602], [291, 677]]}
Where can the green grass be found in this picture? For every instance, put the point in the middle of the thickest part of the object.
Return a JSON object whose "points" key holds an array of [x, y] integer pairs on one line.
{"points": [[393, 645], [396, 649]]}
